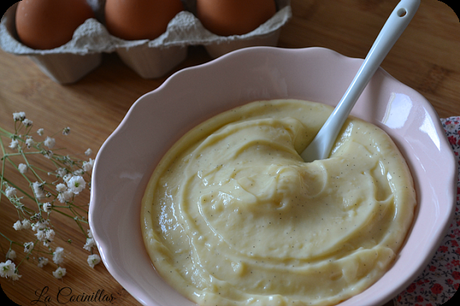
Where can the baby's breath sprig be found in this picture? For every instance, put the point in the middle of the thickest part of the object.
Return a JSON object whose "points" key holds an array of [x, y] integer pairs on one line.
{"points": [[40, 194]]}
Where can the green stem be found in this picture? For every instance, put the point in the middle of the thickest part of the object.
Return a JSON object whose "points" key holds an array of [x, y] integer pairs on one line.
{"points": [[6, 237], [19, 154], [7, 134], [79, 225], [69, 216]]}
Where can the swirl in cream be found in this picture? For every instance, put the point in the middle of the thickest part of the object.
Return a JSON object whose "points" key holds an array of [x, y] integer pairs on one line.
{"points": [[233, 216]]}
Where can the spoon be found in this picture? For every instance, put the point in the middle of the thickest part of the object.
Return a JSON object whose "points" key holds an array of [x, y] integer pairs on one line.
{"points": [[321, 146]]}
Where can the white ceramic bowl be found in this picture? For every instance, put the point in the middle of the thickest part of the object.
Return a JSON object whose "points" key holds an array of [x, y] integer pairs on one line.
{"points": [[155, 121]]}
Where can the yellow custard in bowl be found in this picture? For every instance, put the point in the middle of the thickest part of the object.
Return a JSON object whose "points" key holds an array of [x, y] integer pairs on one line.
{"points": [[232, 215]]}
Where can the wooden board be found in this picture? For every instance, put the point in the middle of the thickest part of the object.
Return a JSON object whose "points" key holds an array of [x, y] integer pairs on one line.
{"points": [[425, 58]]}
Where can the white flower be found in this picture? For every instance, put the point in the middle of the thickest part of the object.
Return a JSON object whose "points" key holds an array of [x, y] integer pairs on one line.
{"points": [[48, 154], [28, 246], [49, 142], [65, 196], [58, 255], [46, 207], [61, 187], [15, 276], [38, 190], [11, 254], [14, 144], [25, 224], [67, 178], [10, 191], [50, 234], [76, 184], [61, 172], [29, 142], [38, 226], [40, 235], [19, 116], [66, 131], [60, 272], [7, 268], [18, 225], [88, 152], [90, 243], [93, 260], [22, 168], [88, 165], [27, 122], [42, 261], [40, 132], [78, 172]]}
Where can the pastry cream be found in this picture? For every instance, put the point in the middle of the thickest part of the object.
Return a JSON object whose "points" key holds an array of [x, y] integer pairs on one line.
{"points": [[233, 216]]}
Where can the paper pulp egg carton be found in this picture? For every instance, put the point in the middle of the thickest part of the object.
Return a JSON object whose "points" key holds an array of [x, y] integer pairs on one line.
{"points": [[148, 58]]}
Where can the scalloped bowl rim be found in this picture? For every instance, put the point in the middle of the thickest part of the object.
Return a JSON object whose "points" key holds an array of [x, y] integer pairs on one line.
{"points": [[127, 158]]}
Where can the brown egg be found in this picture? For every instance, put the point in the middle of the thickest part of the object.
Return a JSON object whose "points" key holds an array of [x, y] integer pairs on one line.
{"points": [[140, 19], [48, 24], [234, 17]]}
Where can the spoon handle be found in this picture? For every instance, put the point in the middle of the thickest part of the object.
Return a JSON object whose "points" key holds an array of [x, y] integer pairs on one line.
{"points": [[391, 31]]}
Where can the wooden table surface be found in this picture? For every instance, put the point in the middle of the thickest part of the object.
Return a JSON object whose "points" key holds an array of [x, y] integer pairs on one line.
{"points": [[426, 58]]}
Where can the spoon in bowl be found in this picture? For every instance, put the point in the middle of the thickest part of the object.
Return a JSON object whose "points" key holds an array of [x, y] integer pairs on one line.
{"points": [[321, 146]]}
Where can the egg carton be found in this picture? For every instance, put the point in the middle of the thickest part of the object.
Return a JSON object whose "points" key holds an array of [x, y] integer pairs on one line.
{"points": [[148, 58]]}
